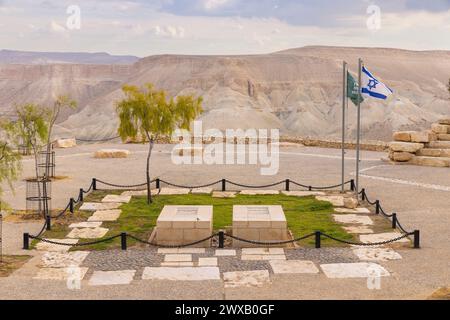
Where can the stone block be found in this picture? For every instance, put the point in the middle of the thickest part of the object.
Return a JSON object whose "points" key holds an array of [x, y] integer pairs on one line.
{"points": [[105, 215], [444, 121], [411, 147], [420, 136], [354, 270], [404, 136], [111, 154], [431, 161], [402, 156], [173, 191], [293, 267], [257, 278], [94, 206], [440, 128], [350, 203], [65, 143], [443, 137], [112, 198], [439, 145], [336, 201], [87, 233], [352, 219]]}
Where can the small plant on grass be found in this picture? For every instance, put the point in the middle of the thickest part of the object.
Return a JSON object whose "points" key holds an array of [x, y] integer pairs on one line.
{"points": [[148, 114]]}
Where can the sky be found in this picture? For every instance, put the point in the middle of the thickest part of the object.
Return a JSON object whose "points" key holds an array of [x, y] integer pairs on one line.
{"points": [[144, 28]]}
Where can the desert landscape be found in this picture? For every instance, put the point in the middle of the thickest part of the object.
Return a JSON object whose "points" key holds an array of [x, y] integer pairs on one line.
{"points": [[297, 90]]}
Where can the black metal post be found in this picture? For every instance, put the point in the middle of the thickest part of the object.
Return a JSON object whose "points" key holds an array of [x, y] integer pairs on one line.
{"points": [[318, 234], [416, 239], [224, 188], [288, 185], [309, 188], [81, 195], [394, 220], [123, 240], [94, 184], [26, 241], [71, 205], [363, 194], [377, 206], [48, 222], [158, 183], [221, 239], [352, 185]]}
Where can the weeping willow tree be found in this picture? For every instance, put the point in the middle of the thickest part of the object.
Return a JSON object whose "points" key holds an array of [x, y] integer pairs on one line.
{"points": [[148, 114], [10, 165]]}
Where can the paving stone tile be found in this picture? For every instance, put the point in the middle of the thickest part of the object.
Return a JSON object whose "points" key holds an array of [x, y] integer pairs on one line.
{"points": [[177, 264], [250, 251], [225, 253], [207, 262], [105, 215], [262, 257], [303, 193], [181, 250], [95, 206], [85, 224], [63, 260], [380, 237], [173, 191], [376, 254], [178, 258], [259, 192], [181, 274], [107, 278], [354, 270], [45, 246], [88, 233], [254, 278], [352, 219], [358, 229], [116, 199], [293, 266], [75, 273]]}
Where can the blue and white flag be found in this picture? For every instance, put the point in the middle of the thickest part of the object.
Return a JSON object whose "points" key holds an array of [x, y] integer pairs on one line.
{"points": [[372, 87]]}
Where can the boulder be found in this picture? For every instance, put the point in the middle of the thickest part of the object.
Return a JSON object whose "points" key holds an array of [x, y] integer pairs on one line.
{"points": [[445, 121], [111, 154], [402, 156], [411, 147], [350, 203], [65, 143], [444, 137], [440, 128], [421, 137], [404, 136]]}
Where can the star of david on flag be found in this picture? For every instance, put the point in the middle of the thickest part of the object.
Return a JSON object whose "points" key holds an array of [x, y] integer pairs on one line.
{"points": [[372, 87]]}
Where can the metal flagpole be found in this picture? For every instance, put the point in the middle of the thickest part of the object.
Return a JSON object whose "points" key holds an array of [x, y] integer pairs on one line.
{"points": [[358, 130], [344, 101]]}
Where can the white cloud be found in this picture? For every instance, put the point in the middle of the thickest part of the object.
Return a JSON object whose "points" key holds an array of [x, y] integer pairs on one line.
{"points": [[55, 27], [169, 31], [214, 4]]}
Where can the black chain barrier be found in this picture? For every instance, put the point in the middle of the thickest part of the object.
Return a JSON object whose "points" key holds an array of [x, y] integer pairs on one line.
{"points": [[124, 186], [367, 244], [270, 243], [74, 244], [172, 246], [190, 187]]}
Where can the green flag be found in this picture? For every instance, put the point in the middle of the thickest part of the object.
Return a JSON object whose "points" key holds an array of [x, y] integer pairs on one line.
{"points": [[352, 89]]}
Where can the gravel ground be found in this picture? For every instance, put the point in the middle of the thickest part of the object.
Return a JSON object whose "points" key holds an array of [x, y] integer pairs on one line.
{"points": [[323, 255]]}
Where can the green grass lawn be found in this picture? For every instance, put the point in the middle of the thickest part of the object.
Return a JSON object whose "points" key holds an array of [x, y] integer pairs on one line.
{"points": [[304, 215]]}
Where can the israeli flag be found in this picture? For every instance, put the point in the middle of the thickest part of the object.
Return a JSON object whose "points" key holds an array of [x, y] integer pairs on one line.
{"points": [[372, 87]]}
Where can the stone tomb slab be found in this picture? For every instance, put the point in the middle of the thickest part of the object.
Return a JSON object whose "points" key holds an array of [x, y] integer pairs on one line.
{"points": [[112, 198], [353, 219], [86, 224], [105, 215], [259, 223], [293, 266], [63, 260], [108, 278], [96, 206], [354, 270], [181, 273], [180, 225]]}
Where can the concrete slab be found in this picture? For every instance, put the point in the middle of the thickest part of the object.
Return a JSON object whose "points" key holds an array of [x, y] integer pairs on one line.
{"points": [[352, 219], [137, 193], [85, 224], [112, 198], [376, 254], [109, 278], [380, 237], [303, 193], [225, 253], [358, 229], [257, 278], [293, 266], [355, 211], [88, 233], [73, 273], [207, 262], [173, 191], [178, 258], [181, 274], [225, 194], [202, 191], [177, 264], [259, 192], [354, 270], [105, 215], [63, 260], [336, 201], [95, 206], [45, 246]]}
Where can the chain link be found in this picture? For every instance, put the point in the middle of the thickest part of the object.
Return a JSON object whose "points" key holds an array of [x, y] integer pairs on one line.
{"points": [[366, 244], [172, 246]]}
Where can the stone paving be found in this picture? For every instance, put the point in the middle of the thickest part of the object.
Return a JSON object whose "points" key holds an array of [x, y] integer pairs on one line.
{"points": [[247, 267]]}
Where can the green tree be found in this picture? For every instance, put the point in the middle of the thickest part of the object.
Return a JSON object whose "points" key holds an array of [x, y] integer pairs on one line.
{"points": [[148, 114], [10, 165], [31, 126], [52, 114]]}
